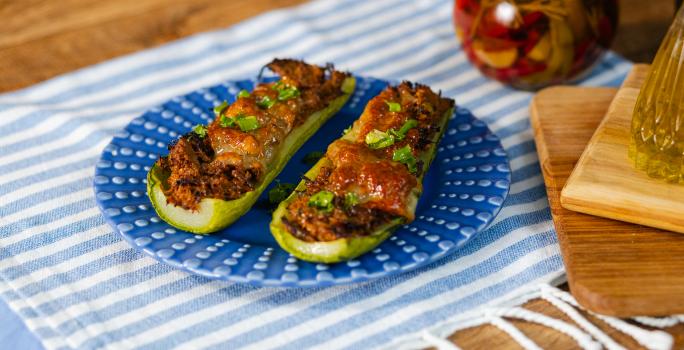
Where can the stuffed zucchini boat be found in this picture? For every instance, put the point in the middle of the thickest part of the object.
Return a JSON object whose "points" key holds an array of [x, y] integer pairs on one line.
{"points": [[368, 182], [214, 174]]}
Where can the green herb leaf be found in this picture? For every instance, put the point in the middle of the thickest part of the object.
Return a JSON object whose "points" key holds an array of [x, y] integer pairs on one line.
{"points": [[220, 108], [285, 92], [393, 106], [350, 199], [404, 155], [279, 192], [408, 125], [226, 121], [247, 123], [312, 157], [266, 102], [200, 130], [377, 139], [284, 95], [322, 200], [243, 94]]}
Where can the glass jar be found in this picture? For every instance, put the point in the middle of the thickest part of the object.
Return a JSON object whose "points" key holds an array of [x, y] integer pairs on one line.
{"points": [[534, 43]]}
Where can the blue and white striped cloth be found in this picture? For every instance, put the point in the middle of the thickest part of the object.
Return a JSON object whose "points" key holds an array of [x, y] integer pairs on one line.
{"points": [[77, 284]]}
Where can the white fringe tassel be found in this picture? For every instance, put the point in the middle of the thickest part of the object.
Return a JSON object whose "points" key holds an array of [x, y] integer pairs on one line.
{"points": [[588, 336]]}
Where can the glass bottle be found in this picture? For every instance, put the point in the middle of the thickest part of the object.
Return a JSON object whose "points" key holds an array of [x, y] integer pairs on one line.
{"points": [[657, 131]]}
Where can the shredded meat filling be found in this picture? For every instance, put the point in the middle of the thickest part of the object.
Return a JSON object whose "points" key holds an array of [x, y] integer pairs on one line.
{"points": [[196, 176], [310, 224], [230, 159], [381, 187]]}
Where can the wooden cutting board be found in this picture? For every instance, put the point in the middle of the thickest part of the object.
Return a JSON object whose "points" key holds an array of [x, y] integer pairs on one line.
{"points": [[605, 182], [613, 267]]}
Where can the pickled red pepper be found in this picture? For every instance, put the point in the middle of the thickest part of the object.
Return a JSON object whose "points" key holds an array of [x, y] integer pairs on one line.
{"points": [[533, 43]]}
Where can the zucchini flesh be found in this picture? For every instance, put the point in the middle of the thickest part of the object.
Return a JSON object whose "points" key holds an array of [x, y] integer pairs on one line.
{"points": [[215, 214], [347, 248]]}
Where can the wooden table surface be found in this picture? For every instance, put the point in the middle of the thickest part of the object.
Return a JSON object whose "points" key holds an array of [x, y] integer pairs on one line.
{"points": [[40, 39]]}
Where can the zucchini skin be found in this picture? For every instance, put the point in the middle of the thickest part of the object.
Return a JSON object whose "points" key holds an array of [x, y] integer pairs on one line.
{"points": [[216, 214], [346, 248]]}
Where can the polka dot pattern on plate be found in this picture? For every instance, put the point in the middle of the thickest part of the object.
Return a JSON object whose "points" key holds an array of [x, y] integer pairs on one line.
{"points": [[464, 190]]}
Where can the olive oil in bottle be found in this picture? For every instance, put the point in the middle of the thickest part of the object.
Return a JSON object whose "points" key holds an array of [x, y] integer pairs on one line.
{"points": [[657, 132]]}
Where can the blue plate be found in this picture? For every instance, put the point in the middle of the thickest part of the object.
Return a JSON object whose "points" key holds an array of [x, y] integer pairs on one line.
{"points": [[463, 191]]}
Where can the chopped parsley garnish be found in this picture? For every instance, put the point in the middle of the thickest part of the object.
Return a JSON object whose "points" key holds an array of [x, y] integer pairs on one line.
{"points": [[284, 95], [404, 155], [322, 200], [285, 92], [393, 106], [220, 108], [408, 125], [200, 130], [312, 157], [350, 199], [243, 94], [279, 192], [245, 123], [226, 121], [266, 102], [377, 139]]}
